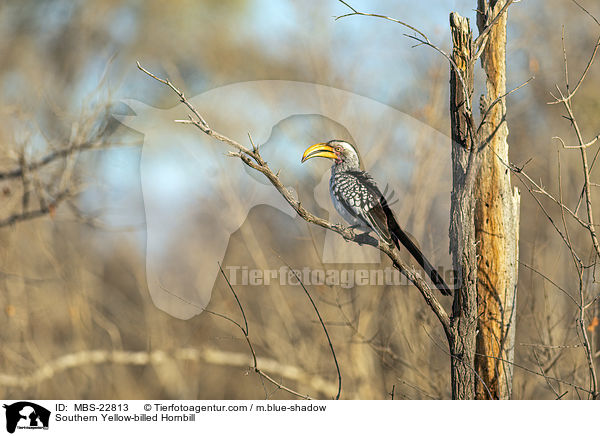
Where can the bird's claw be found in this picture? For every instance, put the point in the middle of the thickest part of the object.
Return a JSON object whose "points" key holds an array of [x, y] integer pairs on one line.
{"points": [[346, 232]]}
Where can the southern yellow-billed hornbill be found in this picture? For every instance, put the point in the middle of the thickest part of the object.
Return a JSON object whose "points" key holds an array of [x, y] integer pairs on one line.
{"points": [[359, 201]]}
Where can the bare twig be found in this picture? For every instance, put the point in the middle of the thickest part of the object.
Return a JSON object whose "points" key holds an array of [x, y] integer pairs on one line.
{"points": [[209, 355], [570, 95], [536, 188], [551, 347], [531, 371], [245, 331], [549, 280], [496, 101], [586, 145], [544, 374], [355, 12], [587, 12], [422, 40], [36, 213], [49, 158], [312, 302]]}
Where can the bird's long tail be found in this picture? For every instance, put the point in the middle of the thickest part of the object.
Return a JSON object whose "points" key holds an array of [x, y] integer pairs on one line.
{"points": [[400, 237]]}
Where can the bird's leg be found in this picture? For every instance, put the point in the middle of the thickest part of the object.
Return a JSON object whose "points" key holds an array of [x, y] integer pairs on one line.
{"points": [[361, 239], [342, 228], [354, 227]]}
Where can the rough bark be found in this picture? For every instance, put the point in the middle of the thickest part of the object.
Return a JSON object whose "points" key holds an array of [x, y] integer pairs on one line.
{"points": [[462, 230], [496, 221]]}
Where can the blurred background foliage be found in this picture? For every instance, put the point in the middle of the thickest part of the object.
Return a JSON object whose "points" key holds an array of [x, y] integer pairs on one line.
{"points": [[73, 279]]}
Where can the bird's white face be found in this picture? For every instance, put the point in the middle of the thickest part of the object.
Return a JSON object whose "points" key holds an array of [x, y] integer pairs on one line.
{"points": [[342, 152]]}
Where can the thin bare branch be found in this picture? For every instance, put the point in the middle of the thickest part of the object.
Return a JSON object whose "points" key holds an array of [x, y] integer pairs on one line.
{"points": [[531, 371], [422, 40], [544, 374], [182, 98], [355, 12], [312, 302], [586, 174], [586, 145], [208, 355], [496, 101], [49, 158], [570, 95], [43, 210], [549, 280], [245, 332], [551, 347], [587, 12]]}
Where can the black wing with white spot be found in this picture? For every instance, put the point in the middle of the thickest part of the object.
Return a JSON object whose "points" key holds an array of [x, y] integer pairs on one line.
{"points": [[357, 192]]}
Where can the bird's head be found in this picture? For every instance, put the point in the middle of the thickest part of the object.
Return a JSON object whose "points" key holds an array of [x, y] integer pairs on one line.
{"points": [[341, 152]]}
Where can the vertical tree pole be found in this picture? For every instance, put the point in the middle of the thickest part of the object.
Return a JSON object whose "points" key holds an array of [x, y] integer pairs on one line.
{"points": [[462, 230], [496, 220]]}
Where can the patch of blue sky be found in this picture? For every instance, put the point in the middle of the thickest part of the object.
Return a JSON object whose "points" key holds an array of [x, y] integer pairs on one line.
{"points": [[52, 16], [272, 23], [358, 47], [123, 24], [13, 84], [86, 90]]}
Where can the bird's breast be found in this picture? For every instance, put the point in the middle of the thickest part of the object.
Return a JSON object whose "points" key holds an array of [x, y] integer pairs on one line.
{"points": [[347, 199]]}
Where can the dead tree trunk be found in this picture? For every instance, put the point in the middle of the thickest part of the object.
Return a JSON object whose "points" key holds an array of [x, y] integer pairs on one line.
{"points": [[484, 218], [496, 220], [462, 230]]}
